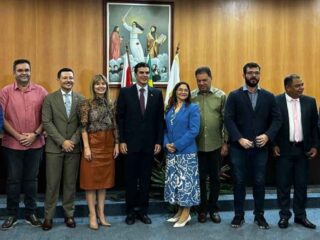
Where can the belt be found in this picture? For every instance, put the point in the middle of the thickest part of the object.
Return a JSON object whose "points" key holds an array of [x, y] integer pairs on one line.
{"points": [[296, 144]]}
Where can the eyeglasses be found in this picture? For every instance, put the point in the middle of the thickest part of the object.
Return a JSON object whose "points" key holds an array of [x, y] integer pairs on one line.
{"points": [[253, 73]]}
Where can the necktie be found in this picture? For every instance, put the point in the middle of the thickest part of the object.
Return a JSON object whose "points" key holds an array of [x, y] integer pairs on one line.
{"points": [[142, 100], [67, 103], [296, 122]]}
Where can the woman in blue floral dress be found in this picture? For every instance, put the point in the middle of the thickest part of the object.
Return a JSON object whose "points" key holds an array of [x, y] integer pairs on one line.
{"points": [[182, 177]]}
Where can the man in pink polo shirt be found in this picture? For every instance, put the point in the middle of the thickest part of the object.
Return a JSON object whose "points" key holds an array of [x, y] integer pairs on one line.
{"points": [[22, 142]]}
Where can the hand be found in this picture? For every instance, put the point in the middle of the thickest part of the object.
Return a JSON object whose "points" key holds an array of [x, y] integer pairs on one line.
{"points": [[157, 149], [170, 147], [123, 148], [224, 150], [245, 143], [123, 20], [276, 151], [68, 146], [312, 153], [26, 139], [262, 140], [87, 153], [116, 151]]}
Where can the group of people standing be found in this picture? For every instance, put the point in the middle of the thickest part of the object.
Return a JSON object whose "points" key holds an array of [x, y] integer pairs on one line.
{"points": [[195, 130]]}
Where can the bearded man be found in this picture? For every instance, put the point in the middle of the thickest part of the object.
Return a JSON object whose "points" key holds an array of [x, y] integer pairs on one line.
{"points": [[252, 120]]}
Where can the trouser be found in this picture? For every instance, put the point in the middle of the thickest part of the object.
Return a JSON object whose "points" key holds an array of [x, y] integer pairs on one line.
{"points": [[209, 165], [242, 160], [61, 166], [22, 170], [138, 168]]}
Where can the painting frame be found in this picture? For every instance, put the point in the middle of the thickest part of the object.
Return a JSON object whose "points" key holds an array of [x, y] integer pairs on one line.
{"points": [[152, 39]]}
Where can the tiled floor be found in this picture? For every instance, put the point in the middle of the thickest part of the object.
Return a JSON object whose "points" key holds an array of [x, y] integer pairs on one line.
{"points": [[162, 230]]}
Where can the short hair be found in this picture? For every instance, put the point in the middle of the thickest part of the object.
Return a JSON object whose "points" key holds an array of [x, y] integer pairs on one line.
{"points": [[139, 65], [201, 70], [20, 61], [289, 79], [250, 65], [64, 70]]}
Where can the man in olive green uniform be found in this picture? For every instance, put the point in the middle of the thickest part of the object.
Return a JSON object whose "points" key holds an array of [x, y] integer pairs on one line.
{"points": [[211, 141]]}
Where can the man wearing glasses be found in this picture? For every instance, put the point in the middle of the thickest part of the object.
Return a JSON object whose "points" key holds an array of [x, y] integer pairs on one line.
{"points": [[252, 119]]}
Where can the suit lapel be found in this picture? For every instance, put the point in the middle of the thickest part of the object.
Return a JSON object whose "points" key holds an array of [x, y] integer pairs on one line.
{"points": [[134, 93], [303, 113], [149, 99], [74, 103], [246, 98], [60, 103]]}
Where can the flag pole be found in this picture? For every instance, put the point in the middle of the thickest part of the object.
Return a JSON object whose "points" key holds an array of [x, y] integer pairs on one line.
{"points": [[178, 48], [127, 52]]}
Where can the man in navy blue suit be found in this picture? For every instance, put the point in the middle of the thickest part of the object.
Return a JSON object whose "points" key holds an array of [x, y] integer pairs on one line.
{"points": [[252, 119], [296, 143], [140, 122]]}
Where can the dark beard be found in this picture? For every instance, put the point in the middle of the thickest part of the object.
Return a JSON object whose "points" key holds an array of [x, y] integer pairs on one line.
{"points": [[250, 84]]}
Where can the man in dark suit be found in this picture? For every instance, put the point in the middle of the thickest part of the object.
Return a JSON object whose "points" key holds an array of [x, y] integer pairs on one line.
{"points": [[252, 119], [295, 144], [140, 120], [61, 122]]}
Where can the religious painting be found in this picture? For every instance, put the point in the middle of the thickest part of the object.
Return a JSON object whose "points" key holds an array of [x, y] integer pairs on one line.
{"points": [[140, 32]]}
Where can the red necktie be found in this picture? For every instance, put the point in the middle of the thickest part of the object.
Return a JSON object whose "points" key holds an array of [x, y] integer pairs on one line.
{"points": [[142, 100]]}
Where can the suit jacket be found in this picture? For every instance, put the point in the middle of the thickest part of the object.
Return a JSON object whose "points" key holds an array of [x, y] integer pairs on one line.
{"points": [[58, 125], [242, 121], [309, 119], [140, 132], [184, 130]]}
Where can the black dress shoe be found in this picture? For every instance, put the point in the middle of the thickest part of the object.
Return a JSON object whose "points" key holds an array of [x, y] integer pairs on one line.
{"points": [[215, 217], [283, 223], [70, 222], [305, 222], [130, 219], [202, 217], [47, 224], [144, 218]]}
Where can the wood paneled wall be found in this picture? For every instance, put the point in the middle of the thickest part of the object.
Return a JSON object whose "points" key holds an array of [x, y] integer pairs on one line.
{"points": [[282, 36]]}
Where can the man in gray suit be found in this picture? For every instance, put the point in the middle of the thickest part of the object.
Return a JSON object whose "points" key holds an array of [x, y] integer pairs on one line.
{"points": [[60, 121]]}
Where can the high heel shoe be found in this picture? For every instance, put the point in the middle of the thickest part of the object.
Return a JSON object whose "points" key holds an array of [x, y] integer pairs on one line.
{"points": [[173, 219], [106, 224], [93, 226], [177, 224]]}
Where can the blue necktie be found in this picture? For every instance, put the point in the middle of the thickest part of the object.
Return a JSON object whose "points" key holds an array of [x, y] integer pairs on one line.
{"points": [[67, 103]]}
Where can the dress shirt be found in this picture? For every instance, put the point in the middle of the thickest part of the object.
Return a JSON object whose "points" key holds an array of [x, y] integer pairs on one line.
{"points": [[145, 94], [290, 106], [212, 132], [22, 110], [64, 96], [253, 96]]}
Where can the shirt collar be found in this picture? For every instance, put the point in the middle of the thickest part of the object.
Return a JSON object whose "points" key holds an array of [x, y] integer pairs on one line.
{"points": [[290, 99], [145, 88], [245, 87], [29, 87], [63, 92], [211, 90]]}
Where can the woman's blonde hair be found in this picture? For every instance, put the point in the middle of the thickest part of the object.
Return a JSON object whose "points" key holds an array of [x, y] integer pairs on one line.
{"points": [[98, 78]]}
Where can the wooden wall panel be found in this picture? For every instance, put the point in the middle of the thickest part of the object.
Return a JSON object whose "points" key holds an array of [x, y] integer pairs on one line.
{"points": [[282, 36]]}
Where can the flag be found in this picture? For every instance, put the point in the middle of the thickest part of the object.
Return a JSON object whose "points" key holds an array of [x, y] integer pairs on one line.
{"points": [[126, 80], [174, 78], [150, 82]]}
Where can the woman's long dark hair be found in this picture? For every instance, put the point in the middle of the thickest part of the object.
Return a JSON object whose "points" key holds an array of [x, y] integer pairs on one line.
{"points": [[173, 99]]}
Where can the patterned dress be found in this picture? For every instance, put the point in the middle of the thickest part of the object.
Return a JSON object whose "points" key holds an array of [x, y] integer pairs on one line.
{"points": [[182, 177]]}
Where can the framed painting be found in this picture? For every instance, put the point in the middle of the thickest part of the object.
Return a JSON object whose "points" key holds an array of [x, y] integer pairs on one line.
{"points": [[141, 32]]}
